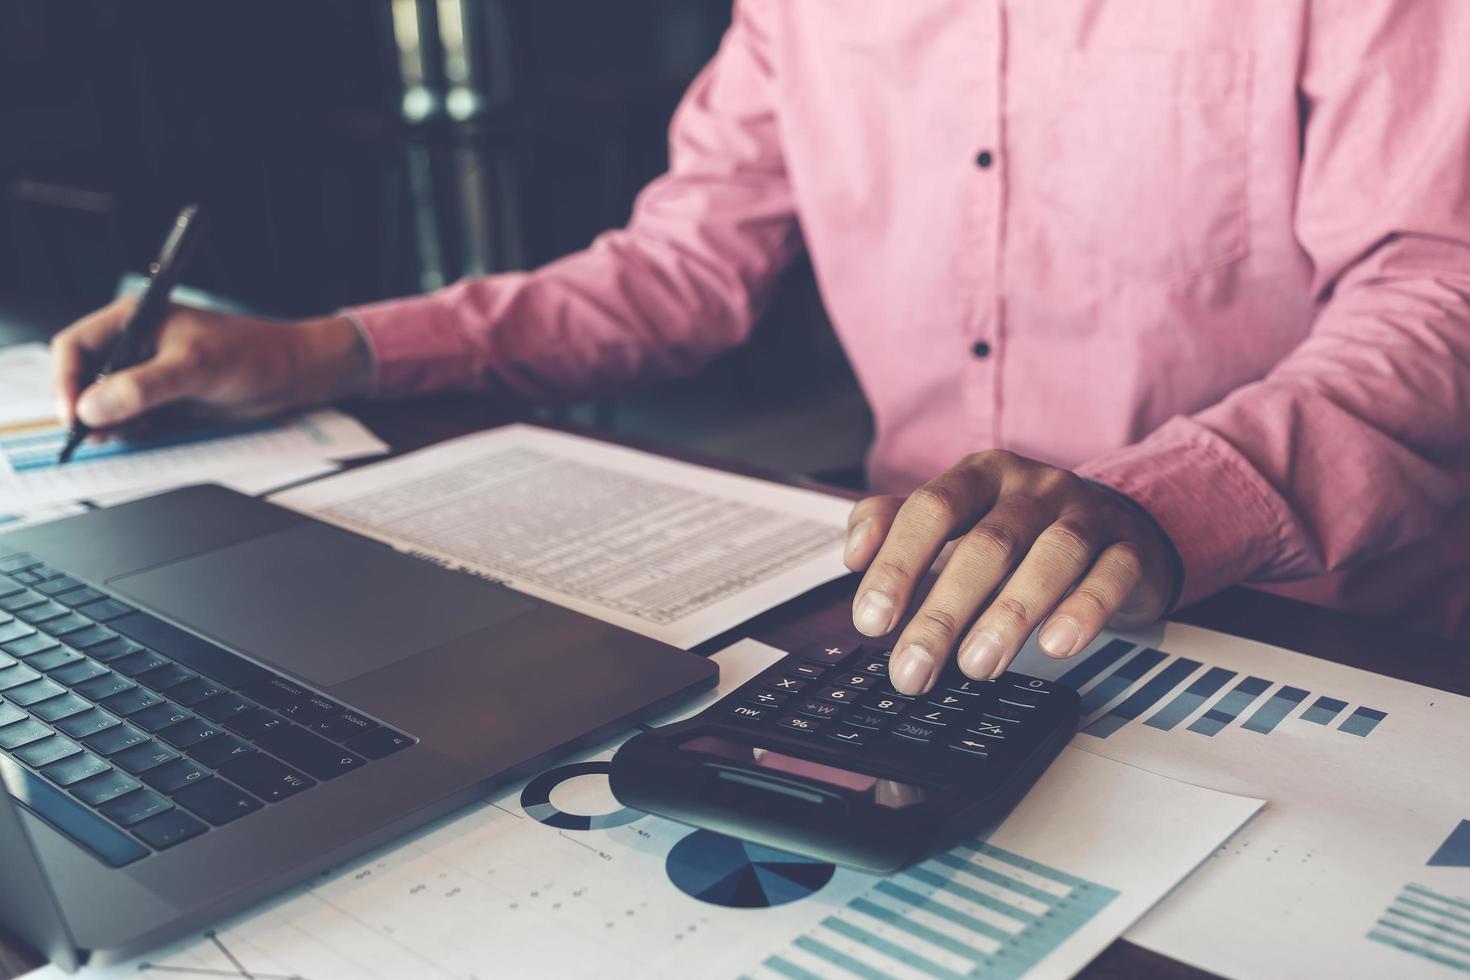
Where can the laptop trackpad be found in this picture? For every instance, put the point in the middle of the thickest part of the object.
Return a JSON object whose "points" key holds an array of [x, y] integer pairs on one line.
{"points": [[321, 603]]}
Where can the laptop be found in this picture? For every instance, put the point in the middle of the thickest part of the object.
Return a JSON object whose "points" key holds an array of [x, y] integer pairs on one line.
{"points": [[205, 698]]}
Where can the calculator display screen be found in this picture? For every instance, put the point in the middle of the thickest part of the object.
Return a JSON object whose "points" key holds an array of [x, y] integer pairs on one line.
{"points": [[884, 792]]}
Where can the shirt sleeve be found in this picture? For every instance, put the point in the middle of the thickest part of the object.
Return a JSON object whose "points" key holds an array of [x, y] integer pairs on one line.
{"points": [[685, 279], [1358, 442]]}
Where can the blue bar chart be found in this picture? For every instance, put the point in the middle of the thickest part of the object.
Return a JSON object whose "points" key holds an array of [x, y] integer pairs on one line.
{"points": [[1122, 683], [977, 911], [1427, 924]]}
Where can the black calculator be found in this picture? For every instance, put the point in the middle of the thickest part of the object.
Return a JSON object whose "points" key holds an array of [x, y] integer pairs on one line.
{"points": [[819, 756]]}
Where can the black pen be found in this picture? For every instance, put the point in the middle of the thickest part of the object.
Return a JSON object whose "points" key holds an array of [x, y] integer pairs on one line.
{"points": [[128, 349]]}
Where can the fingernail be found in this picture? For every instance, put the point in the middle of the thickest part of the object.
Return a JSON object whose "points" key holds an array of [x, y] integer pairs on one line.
{"points": [[911, 669], [874, 614], [856, 538], [1059, 637], [980, 656], [98, 406]]}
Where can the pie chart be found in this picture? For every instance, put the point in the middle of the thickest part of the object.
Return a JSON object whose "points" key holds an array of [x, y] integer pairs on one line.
{"points": [[724, 871], [536, 798]]}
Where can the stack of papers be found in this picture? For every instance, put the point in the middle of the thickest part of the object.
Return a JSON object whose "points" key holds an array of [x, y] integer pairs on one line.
{"points": [[252, 458]]}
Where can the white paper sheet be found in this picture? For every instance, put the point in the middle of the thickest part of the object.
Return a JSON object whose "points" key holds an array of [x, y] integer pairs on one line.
{"points": [[25, 386], [671, 550], [14, 522], [253, 483], [502, 891], [30, 478], [1360, 864]]}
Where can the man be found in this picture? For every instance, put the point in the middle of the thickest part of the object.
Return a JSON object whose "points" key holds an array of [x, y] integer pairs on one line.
{"points": [[1148, 297]]}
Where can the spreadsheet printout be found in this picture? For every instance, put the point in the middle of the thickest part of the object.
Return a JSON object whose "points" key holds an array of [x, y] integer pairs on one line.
{"points": [[668, 549]]}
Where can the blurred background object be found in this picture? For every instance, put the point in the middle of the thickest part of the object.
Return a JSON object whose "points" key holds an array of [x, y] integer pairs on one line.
{"points": [[352, 150]]}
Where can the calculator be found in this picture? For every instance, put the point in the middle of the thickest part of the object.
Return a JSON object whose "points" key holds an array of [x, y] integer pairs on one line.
{"points": [[821, 757]]}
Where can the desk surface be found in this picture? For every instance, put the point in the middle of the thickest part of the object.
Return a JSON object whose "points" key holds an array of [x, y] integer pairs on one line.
{"points": [[824, 613]]}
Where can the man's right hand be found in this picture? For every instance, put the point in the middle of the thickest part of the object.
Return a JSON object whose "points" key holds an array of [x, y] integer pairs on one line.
{"points": [[210, 364]]}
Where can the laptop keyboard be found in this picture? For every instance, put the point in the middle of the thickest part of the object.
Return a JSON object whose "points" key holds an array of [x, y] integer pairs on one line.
{"points": [[130, 735]]}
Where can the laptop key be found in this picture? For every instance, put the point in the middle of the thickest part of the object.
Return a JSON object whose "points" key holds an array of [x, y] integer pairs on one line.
{"points": [[18, 562], [105, 610], [34, 692], [16, 676], [316, 755], [69, 771], [45, 751], [167, 829], [339, 728], [108, 786], [61, 707], [159, 717], [191, 732], [191, 651], [173, 776], [103, 686], [39, 615], [74, 673], [144, 756], [74, 820], [113, 740], [53, 658], [215, 752], [87, 723], [139, 663], [249, 724], [14, 629], [162, 679], [223, 706], [22, 733], [114, 649], [310, 710], [24, 599], [266, 778], [79, 597], [10, 714], [58, 585], [217, 801], [275, 692], [29, 645], [136, 807], [131, 702], [66, 625], [192, 692], [90, 637], [380, 743]]}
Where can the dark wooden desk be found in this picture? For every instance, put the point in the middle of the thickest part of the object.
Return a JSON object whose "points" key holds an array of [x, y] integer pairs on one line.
{"points": [[824, 613]]}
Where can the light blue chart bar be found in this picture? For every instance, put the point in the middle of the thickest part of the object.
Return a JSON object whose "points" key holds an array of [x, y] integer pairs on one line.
{"points": [[1142, 699], [848, 943], [1269, 715], [1323, 710], [1193, 696], [1228, 708], [1109, 654], [1362, 722], [1121, 679]]}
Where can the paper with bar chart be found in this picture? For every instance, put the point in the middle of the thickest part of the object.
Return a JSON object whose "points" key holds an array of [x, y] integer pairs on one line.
{"points": [[1359, 865], [557, 879]]}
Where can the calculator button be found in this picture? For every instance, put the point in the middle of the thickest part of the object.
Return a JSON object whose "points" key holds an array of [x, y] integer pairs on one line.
{"points": [[1032, 685], [1005, 713], [878, 668], [864, 718], [973, 688], [807, 671], [819, 709], [829, 655], [915, 731], [886, 704], [786, 685], [806, 726], [953, 702], [749, 712], [852, 736], [838, 695], [769, 698], [988, 729], [931, 716], [970, 746], [857, 682], [1013, 702]]}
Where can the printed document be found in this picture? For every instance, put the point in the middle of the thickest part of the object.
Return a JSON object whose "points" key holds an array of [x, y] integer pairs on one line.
{"points": [[556, 879], [1360, 864], [671, 550]]}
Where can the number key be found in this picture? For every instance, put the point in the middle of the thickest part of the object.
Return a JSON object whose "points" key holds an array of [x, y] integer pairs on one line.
{"points": [[838, 695], [886, 703], [857, 682], [804, 725]]}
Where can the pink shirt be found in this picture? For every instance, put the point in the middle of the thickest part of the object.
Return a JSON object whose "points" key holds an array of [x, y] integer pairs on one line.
{"points": [[1216, 254]]}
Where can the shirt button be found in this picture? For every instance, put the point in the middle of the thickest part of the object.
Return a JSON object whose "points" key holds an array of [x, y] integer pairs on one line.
{"points": [[984, 159], [980, 349]]}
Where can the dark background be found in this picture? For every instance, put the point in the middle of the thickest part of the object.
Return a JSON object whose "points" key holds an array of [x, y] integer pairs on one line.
{"points": [[353, 150]]}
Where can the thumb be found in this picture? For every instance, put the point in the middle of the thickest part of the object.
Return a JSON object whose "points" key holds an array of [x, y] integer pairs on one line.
{"points": [[124, 396]]}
